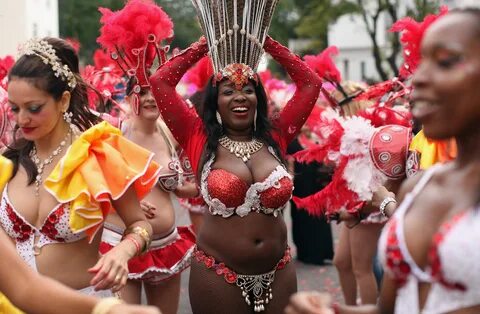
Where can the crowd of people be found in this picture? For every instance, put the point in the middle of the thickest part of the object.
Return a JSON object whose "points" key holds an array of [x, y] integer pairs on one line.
{"points": [[102, 152]]}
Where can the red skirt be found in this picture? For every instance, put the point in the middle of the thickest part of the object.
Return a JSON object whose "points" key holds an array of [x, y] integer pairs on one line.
{"points": [[166, 257]]}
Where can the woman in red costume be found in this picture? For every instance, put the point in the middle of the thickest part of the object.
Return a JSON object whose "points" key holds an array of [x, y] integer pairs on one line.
{"points": [[158, 270], [72, 179], [242, 259], [430, 246]]}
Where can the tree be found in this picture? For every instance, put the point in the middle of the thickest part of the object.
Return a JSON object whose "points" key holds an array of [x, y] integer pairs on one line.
{"points": [[322, 13], [81, 20], [316, 16]]}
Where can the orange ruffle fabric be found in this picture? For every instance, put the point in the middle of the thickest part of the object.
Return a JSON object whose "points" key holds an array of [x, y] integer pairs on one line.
{"points": [[99, 167], [432, 152]]}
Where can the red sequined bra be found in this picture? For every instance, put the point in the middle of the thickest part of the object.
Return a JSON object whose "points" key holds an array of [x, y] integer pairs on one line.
{"points": [[55, 229], [454, 277], [226, 194]]}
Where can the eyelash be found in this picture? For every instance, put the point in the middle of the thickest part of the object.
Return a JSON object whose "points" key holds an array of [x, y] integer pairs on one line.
{"points": [[34, 109], [448, 62]]}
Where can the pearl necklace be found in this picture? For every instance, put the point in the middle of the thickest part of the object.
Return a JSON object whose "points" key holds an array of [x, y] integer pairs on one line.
{"points": [[242, 150], [41, 164]]}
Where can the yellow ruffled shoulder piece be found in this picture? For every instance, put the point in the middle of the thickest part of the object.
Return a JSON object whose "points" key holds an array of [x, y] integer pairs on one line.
{"points": [[6, 307], [99, 167], [6, 169], [432, 152]]}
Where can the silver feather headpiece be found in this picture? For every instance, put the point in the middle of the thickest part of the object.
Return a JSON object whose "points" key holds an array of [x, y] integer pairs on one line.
{"points": [[235, 31]]}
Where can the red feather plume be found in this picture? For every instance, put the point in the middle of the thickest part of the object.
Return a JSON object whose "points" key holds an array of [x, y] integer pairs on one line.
{"points": [[200, 73], [130, 27], [411, 38], [6, 64], [323, 64]]}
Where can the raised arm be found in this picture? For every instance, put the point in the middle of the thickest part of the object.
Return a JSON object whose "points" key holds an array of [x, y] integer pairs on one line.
{"points": [[298, 108], [175, 112]]}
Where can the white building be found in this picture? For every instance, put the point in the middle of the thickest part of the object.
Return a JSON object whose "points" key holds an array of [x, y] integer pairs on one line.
{"points": [[21, 20], [355, 60]]}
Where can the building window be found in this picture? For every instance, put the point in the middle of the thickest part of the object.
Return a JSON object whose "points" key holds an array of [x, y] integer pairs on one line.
{"points": [[346, 69], [363, 69]]}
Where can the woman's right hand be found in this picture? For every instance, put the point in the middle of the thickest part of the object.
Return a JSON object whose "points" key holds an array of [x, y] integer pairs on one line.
{"points": [[309, 302], [133, 309]]}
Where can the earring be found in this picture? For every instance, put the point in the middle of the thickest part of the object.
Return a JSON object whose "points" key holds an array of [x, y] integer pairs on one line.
{"points": [[255, 121], [67, 116], [219, 118]]}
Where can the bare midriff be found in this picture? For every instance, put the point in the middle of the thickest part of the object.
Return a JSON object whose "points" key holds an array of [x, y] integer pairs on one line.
{"points": [[248, 245]]}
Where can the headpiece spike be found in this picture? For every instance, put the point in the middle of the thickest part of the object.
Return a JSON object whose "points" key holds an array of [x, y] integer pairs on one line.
{"points": [[235, 32]]}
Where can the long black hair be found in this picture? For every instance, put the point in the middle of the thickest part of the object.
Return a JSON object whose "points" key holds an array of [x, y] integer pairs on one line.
{"points": [[42, 76], [214, 130]]}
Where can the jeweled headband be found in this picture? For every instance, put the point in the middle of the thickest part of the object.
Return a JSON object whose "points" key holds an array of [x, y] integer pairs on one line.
{"points": [[46, 52]]}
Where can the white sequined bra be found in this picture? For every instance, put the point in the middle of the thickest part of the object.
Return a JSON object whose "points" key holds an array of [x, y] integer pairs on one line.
{"points": [[55, 229]]}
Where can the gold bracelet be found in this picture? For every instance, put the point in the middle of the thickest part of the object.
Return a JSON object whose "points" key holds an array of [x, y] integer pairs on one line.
{"points": [[105, 305], [142, 233]]}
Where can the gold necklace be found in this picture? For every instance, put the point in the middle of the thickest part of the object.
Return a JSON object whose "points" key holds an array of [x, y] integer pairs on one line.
{"points": [[242, 150], [41, 164]]}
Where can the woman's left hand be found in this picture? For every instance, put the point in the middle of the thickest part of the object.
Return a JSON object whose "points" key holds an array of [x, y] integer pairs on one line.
{"points": [[111, 270]]}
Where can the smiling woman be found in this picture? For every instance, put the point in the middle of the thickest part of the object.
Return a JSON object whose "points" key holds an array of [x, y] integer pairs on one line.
{"points": [[431, 244], [237, 151]]}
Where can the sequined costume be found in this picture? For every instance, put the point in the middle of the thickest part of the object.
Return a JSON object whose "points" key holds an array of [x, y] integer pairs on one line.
{"points": [[168, 255], [454, 279], [99, 166], [225, 193]]}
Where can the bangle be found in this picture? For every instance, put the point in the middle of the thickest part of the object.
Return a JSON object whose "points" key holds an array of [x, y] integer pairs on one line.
{"points": [[137, 245], [105, 305], [384, 204], [142, 233]]}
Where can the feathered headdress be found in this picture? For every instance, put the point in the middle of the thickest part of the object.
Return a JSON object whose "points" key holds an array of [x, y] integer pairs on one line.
{"points": [[363, 157], [411, 38], [235, 32], [325, 67], [391, 104], [132, 36]]}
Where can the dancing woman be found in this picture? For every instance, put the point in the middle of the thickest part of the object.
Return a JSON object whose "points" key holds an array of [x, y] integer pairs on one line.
{"points": [[430, 245], [72, 179], [237, 152]]}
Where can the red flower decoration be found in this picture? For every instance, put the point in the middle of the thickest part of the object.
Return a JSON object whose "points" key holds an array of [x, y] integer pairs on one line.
{"points": [[230, 276]]}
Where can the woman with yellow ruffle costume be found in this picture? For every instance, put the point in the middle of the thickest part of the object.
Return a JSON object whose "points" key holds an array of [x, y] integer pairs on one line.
{"points": [[64, 182], [32, 292]]}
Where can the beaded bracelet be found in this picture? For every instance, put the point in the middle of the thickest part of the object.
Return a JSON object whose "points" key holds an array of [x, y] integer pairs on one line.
{"points": [[134, 241], [383, 205], [105, 305]]}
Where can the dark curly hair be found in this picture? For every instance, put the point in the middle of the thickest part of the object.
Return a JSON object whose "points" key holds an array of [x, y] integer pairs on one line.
{"points": [[42, 76], [214, 130]]}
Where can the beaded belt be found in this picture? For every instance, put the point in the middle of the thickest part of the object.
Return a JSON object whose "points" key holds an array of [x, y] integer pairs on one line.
{"points": [[260, 286]]}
